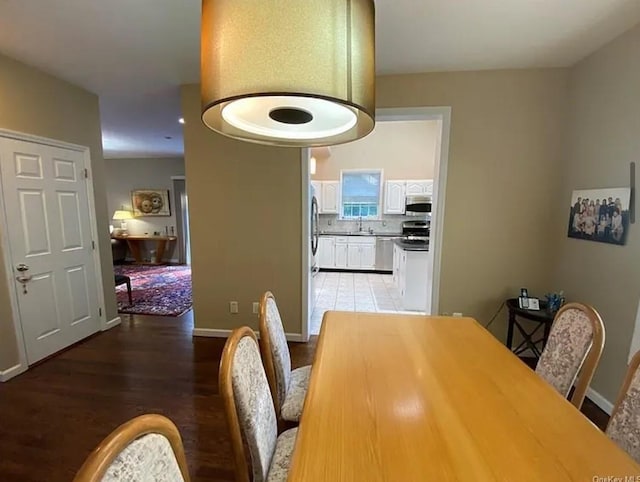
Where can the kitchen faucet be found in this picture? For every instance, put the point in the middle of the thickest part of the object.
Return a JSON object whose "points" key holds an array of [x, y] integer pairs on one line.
{"points": [[360, 224]]}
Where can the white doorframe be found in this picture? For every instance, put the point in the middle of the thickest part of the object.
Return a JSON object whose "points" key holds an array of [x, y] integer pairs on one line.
{"points": [[8, 259], [441, 114], [305, 154]]}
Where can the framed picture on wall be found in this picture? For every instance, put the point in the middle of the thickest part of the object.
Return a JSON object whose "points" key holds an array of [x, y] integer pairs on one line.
{"points": [[150, 202], [600, 215]]}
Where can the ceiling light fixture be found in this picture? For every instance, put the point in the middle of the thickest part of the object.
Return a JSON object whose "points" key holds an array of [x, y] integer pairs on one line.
{"points": [[181, 120], [298, 76]]}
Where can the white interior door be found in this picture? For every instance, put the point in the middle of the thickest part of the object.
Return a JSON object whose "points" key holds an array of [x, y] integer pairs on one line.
{"points": [[49, 232]]}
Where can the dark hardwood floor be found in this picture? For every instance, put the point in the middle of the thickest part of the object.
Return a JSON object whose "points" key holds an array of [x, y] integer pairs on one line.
{"points": [[57, 412], [53, 415]]}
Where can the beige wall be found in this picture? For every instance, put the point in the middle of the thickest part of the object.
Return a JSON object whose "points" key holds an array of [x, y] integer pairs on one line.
{"points": [[124, 175], [404, 149], [36, 103], [246, 224], [507, 134], [604, 138]]}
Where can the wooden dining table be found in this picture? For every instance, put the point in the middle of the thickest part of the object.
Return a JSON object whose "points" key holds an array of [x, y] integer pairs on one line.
{"points": [[417, 398]]}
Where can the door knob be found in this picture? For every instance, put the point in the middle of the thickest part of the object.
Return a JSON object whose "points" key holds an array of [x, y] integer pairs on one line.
{"points": [[22, 267]]}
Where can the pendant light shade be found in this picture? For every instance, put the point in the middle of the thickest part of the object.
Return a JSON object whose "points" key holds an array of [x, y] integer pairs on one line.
{"points": [[297, 73]]}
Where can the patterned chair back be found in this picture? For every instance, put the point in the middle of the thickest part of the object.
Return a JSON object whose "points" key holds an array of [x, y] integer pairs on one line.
{"points": [[624, 424], [574, 347], [275, 351], [146, 449], [248, 405]]}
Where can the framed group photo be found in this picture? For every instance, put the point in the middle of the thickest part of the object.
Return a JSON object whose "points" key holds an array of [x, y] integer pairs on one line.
{"points": [[600, 215]]}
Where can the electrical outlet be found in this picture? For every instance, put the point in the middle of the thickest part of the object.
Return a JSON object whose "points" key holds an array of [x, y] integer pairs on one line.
{"points": [[256, 307], [233, 307], [457, 313]]}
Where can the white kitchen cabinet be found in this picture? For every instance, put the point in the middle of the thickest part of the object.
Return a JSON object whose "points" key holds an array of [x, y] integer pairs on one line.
{"points": [[317, 192], [428, 188], [326, 252], [361, 252], [396, 192], [341, 254], [353, 256], [347, 252], [419, 187], [412, 278], [330, 197], [368, 257], [394, 197], [396, 265]]}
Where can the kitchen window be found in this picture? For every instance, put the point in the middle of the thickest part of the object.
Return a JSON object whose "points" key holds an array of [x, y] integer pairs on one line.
{"points": [[361, 194]]}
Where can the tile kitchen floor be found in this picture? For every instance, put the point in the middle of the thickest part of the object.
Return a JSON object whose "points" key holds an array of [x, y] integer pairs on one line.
{"points": [[354, 292]]}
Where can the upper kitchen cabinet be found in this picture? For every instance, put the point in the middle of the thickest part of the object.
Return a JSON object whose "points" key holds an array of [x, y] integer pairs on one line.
{"points": [[419, 187], [396, 193], [394, 197], [330, 197]]}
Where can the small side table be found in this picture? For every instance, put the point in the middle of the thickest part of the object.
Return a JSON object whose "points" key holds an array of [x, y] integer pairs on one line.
{"points": [[135, 242], [542, 317]]}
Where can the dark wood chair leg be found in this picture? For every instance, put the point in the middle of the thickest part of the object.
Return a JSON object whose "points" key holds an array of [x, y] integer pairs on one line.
{"points": [[129, 291]]}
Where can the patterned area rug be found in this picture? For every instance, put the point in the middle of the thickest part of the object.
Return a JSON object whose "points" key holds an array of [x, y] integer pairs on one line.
{"points": [[156, 290]]}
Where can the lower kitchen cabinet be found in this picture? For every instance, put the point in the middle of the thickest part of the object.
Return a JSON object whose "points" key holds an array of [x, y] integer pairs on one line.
{"points": [[347, 252], [326, 252], [341, 255], [412, 277], [361, 256]]}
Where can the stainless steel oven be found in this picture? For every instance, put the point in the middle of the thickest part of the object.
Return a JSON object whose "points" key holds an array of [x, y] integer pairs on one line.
{"points": [[416, 232]]}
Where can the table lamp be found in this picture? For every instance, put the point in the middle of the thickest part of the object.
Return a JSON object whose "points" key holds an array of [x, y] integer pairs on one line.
{"points": [[122, 215]]}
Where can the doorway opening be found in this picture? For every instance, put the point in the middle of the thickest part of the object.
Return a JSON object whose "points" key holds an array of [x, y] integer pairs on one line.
{"points": [[379, 238], [153, 273], [182, 219]]}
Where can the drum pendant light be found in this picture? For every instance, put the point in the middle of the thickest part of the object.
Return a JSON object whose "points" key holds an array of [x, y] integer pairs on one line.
{"points": [[298, 73]]}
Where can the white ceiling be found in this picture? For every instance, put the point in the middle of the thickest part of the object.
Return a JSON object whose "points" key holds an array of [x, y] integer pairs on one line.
{"points": [[136, 54]]}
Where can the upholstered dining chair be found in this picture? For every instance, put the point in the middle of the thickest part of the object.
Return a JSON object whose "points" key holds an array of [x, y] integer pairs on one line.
{"points": [[624, 424], [288, 387], [250, 413], [145, 449], [574, 347]]}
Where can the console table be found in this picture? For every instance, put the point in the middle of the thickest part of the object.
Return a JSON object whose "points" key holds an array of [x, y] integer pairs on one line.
{"points": [[134, 243], [542, 317]]}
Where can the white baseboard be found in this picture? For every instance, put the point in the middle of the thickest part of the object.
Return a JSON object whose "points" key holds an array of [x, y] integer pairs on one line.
{"points": [[172, 260], [217, 333], [211, 333], [600, 401], [111, 323], [9, 373]]}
